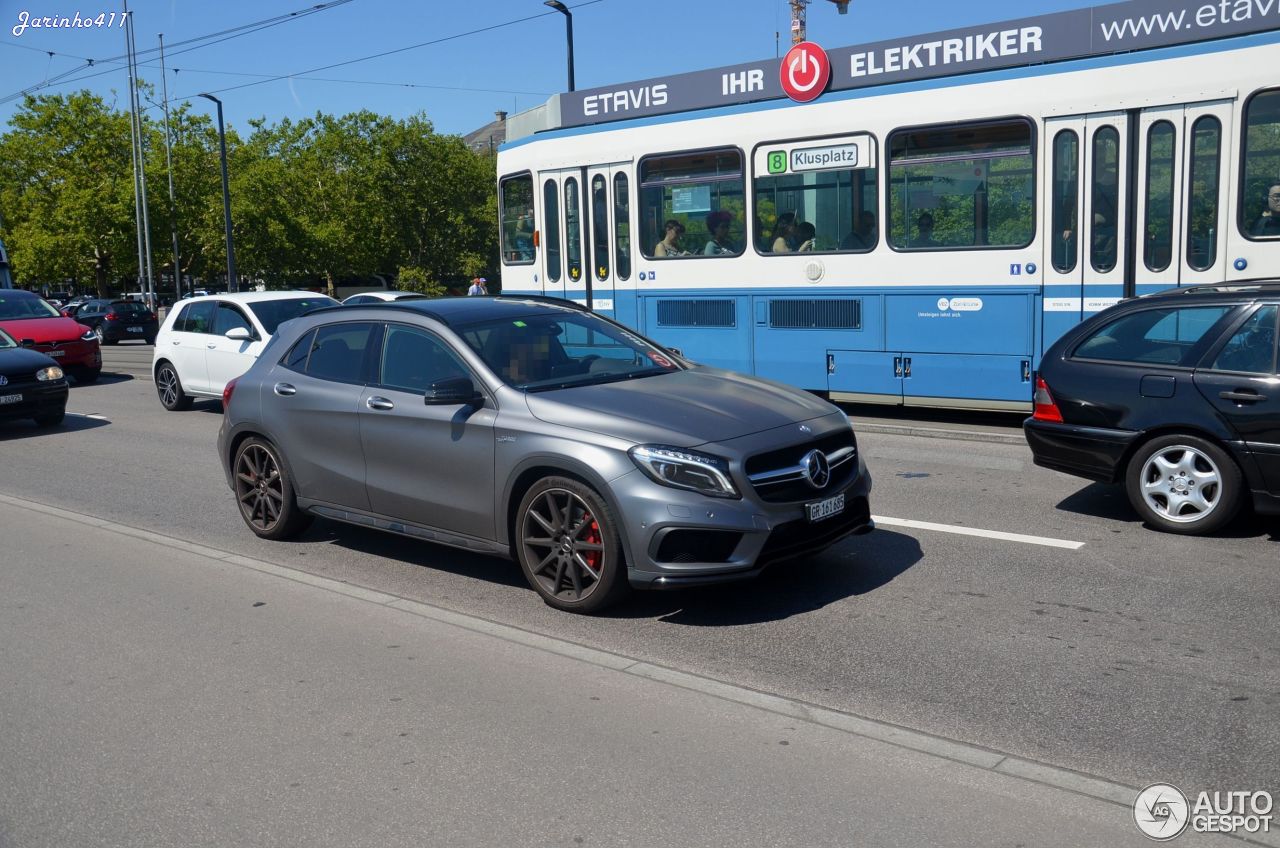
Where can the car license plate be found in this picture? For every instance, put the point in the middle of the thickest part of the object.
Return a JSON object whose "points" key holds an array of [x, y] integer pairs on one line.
{"points": [[135, 329], [825, 509], [55, 353], [10, 399]]}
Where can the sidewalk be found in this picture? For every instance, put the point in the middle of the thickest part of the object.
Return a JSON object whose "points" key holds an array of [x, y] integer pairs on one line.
{"points": [[156, 692]]}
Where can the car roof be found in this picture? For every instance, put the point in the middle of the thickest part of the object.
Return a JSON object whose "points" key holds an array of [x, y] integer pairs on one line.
{"points": [[253, 297], [1240, 291], [466, 310]]}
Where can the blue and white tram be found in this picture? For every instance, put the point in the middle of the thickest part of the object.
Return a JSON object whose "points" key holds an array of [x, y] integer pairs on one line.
{"points": [[920, 227]]}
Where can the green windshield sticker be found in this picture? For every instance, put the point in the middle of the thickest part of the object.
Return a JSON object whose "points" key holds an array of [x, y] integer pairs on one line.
{"points": [[520, 323]]}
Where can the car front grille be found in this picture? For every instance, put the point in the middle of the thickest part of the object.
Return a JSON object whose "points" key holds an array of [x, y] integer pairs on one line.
{"points": [[801, 537], [778, 476]]}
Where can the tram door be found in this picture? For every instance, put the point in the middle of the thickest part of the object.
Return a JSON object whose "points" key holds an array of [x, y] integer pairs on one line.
{"points": [[1182, 188], [1085, 205], [609, 227], [562, 238]]}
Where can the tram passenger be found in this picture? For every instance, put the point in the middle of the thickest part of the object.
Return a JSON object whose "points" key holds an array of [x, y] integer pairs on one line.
{"points": [[718, 226], [924, 226], [1104, 242], [670, 244], [1268, 224], [784, 230], [805, 234], [863, 235]]}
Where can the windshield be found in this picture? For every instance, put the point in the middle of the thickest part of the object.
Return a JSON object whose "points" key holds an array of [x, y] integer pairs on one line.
{"points": [[541, 352], [273, 313], [129, 307], [15, 307], [6, 341]]}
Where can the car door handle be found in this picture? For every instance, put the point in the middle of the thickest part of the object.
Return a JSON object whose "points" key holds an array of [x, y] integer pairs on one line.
{"points": [[175, 341], [1242, 397], [379, 403], [284, 389], [211, 346]]}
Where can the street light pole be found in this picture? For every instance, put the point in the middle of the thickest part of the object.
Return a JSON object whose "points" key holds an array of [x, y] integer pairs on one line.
{"points": [[232, 283], [568, 30]]}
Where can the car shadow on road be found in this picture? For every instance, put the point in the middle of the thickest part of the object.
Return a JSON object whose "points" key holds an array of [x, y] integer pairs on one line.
{"points": [[106, 378], [856, 566], [1110, 503], [22, 429]]}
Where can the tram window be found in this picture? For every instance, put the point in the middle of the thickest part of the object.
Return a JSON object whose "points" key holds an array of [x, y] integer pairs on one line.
{"points": [[572, 230], [551, 206], [1260, 193], [960, 187], [1105, 189], [703, 192], [600, 225], [621, 227], [517, 220], [1157, 244], [1202, 193], [827, 211], [1066, 200]]}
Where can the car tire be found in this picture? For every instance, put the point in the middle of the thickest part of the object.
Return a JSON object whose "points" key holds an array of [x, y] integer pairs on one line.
{"points": [[151, 340], [89, 375], [568, 546], [264, 492], [169, 389], [51, 419], [1184, 484]]}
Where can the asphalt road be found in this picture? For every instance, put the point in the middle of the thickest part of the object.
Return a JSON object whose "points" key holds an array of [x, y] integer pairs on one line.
{"points": [[1137, 657]]}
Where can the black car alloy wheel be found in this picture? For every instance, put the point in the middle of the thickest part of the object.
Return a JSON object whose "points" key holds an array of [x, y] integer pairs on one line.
{"points": [[265, 493], [568, 547]]}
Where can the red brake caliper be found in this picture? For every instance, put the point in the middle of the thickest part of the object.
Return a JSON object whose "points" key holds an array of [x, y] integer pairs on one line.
{"points": [[592, 537]]}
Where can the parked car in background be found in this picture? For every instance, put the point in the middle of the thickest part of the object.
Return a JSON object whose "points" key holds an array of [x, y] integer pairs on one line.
{"points": [[1177, 396], [114, 321], [28, 318], [382, 297], [207, 341], [32, 385], [535, 429]]}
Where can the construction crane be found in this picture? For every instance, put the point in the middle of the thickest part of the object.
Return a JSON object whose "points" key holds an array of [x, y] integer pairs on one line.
{"points": [[797, 16]]}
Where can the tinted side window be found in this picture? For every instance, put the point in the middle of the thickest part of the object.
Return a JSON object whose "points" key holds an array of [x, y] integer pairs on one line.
{"points": [[1157, 245], [621, 226], [197, 318], [1105, 185], [551, 201], [803, 203], [1066, 197], [517, 219], [1259, 213], [704, 192], [228, 317], [1252, 348], [1157, 336], [296, 358], [413, 359], [1202, 197], [339, 352]]}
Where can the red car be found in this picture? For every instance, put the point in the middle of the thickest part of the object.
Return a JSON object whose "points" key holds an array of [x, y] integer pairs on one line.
{"points": [[34, 323]]}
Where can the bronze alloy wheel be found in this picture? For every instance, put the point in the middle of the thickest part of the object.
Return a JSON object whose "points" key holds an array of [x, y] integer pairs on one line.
{"points": [[568, 548], [259, 487]]}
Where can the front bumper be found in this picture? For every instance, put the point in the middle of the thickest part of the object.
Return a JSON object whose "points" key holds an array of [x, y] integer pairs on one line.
{"points": [[676, 538], [76, 354], [38, 399], [1094, 453]]}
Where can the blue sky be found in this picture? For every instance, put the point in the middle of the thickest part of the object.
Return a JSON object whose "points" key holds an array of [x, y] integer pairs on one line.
{"points": [[497, 55]]}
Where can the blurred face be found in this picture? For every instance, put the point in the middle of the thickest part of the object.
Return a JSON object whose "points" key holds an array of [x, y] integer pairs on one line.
{"points": [[674, 233], [1273, 199], [722, 230]]}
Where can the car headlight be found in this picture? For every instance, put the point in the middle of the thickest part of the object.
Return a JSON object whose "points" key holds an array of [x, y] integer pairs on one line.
{"points": [[53, 372], [89, 336], [685, 469]]}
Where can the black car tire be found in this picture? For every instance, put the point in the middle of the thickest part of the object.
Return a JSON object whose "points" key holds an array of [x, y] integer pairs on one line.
{"points": [[169, 386], [150, 339], [88, 375], [51, 419], [264, 492], [568, 546], [1228, 488]]}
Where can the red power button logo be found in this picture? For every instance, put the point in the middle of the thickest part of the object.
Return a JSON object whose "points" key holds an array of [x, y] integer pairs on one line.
{"points": [[805, 71]]}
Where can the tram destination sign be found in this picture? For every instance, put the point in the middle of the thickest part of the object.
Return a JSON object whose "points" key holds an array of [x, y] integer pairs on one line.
{"points": [[1074, 34]]}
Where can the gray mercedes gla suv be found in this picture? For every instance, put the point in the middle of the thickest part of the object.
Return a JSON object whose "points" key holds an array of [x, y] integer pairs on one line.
{"points": [[535, 429]]}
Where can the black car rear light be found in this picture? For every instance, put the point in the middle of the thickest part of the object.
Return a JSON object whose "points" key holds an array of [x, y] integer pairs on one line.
{"points": [[1045, 407]]}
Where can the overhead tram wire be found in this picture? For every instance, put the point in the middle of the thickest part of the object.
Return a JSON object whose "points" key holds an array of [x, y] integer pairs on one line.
{"points": [[204, 41], [447, 38]]}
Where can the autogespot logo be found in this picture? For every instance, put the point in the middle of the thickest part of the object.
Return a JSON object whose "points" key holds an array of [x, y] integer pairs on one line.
{"points": [[1161, 811]]}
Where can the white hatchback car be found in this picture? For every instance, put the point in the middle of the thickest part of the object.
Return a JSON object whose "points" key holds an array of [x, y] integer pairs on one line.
{"points": [[205, 342]]}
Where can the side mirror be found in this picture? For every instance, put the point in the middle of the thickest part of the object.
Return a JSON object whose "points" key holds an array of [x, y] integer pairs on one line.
{"points": [[452, 391], [677, 351], [239, 334]]}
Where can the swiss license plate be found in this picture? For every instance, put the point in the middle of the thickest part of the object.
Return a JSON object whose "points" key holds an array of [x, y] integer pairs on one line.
{"points": [[135, 329], [825, 509], [55, 353], [10, 399]]}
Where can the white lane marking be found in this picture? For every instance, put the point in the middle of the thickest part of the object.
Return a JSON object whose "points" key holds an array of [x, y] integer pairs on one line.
{"points": [[974, 531], [93, 415]]}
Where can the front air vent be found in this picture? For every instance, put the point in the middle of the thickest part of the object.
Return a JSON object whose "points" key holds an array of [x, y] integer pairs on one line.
{"points": [[696, 313], [816, 314]]}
